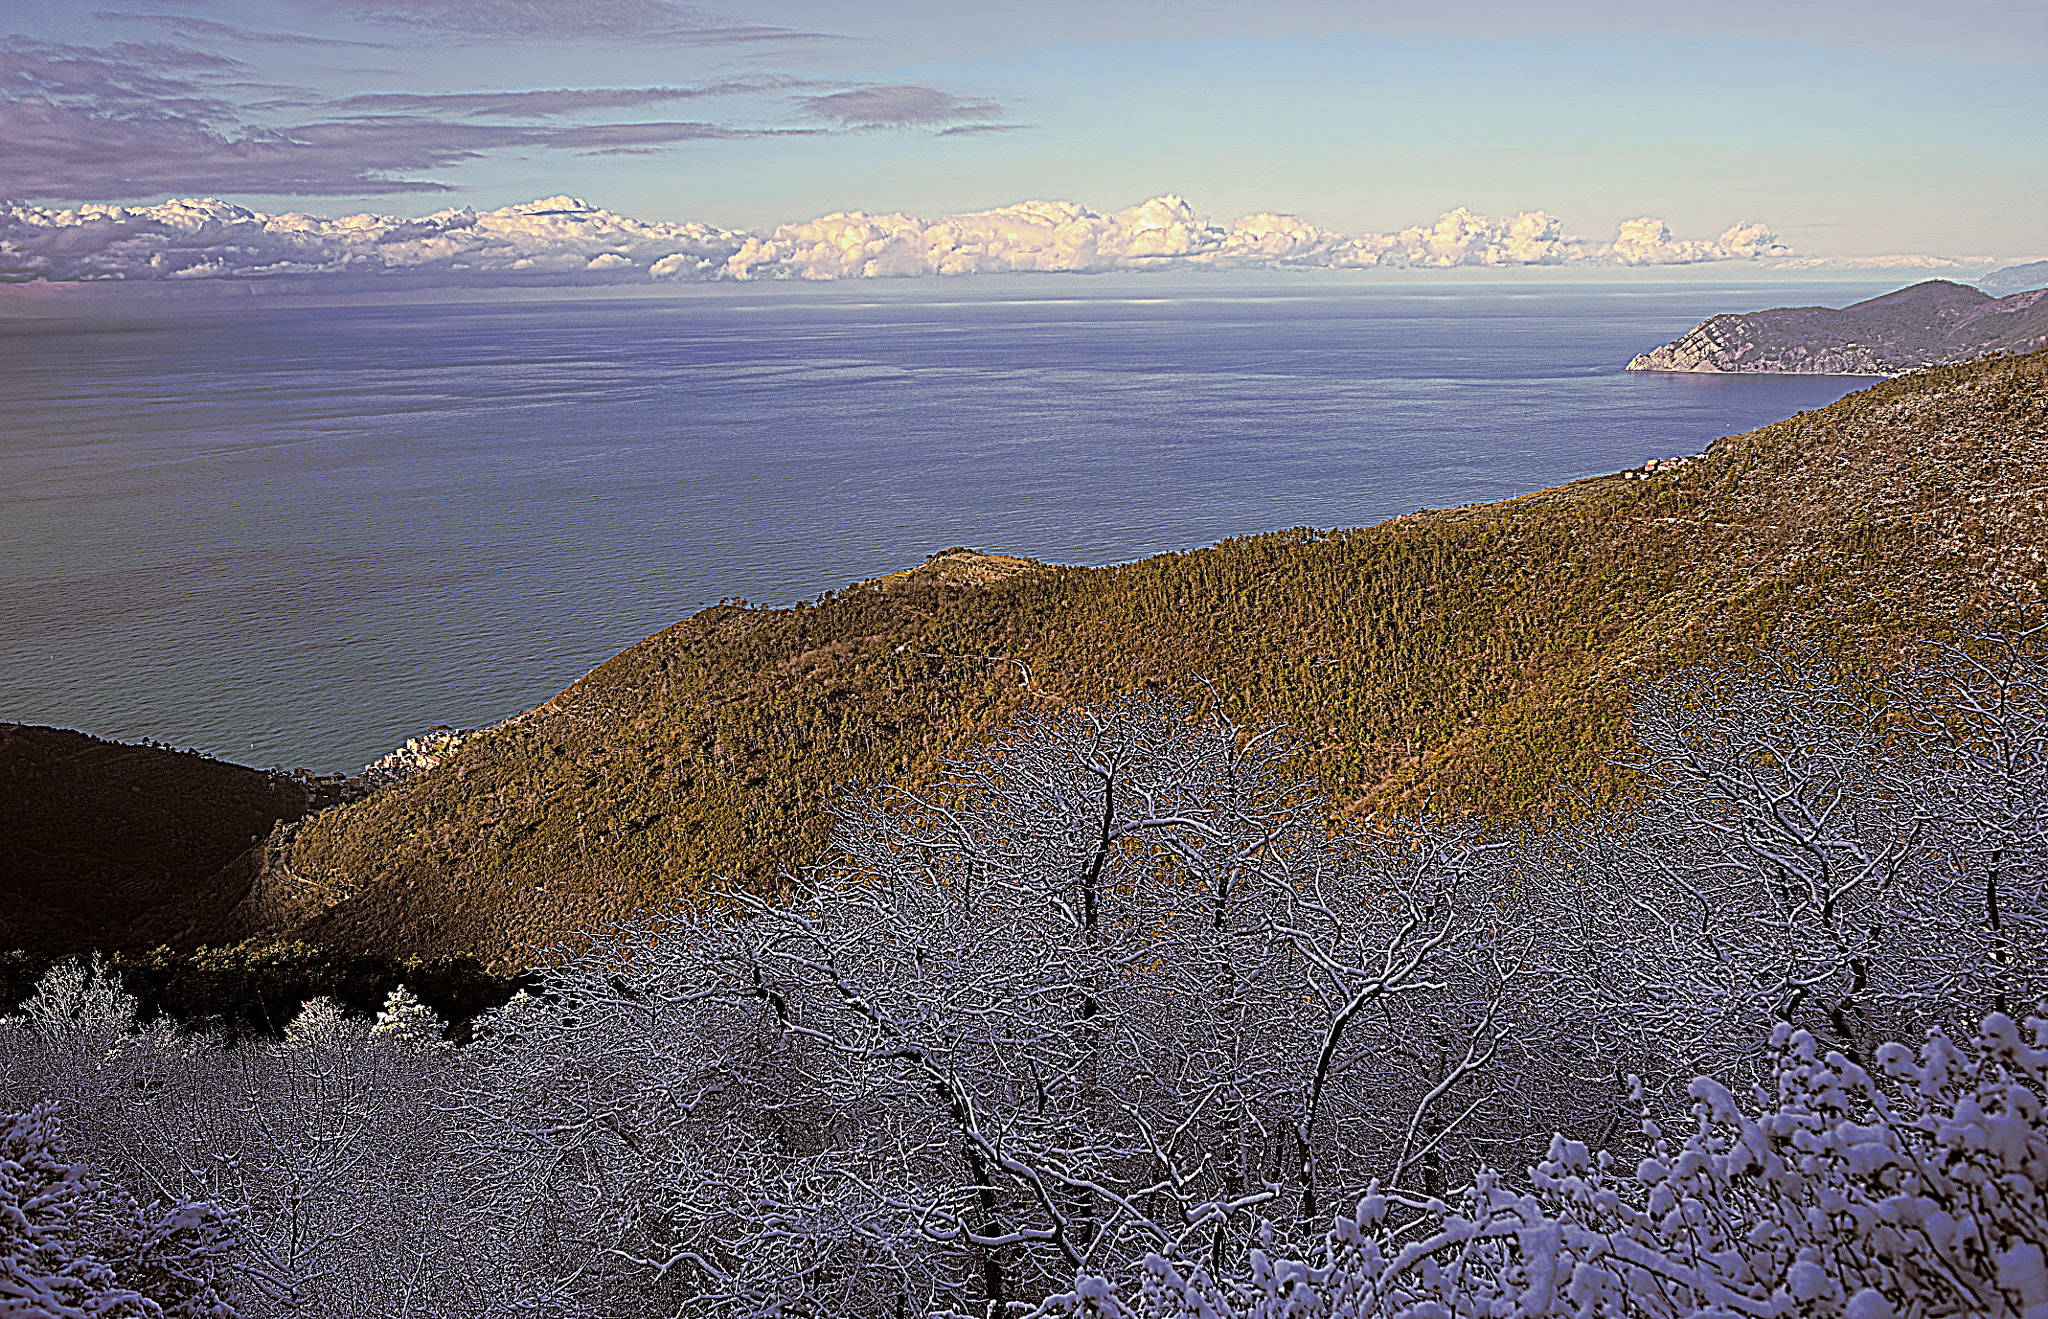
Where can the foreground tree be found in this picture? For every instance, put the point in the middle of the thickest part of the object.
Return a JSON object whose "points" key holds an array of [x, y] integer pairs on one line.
{"points": [[1862, 858], [330, 1148], [1917, 1191], [1110, 987], [73, 1246]]}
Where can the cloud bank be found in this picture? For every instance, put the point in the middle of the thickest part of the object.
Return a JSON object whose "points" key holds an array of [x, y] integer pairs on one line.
{"points": [[645, 21], [139, 119], [894, 106], [547, 102], [567, 237]]}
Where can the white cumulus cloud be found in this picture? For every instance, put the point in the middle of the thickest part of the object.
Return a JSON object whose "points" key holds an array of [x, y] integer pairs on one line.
{"points": [[1030, 236], [206, 238], [1460, 238], [565, 237], [1648, 242]]}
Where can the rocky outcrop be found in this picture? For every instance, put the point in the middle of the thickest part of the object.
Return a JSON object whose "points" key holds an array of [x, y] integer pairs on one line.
{"points": [[1929, 324]]}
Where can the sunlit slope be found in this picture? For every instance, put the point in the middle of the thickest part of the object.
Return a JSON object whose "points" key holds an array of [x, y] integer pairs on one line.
{"points": [[1470, 657]]}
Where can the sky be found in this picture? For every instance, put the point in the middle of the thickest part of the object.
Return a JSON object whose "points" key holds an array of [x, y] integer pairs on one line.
{"points": [[1849, 129]]}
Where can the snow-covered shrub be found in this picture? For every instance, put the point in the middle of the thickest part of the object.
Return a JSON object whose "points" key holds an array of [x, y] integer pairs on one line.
{"points": [[1922, 1192], [73, 1246]]}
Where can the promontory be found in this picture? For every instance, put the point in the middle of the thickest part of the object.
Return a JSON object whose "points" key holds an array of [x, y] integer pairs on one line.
{"points": [[1935, 323]]}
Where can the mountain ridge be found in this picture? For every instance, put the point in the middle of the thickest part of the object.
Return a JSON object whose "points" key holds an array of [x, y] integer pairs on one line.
{"points": [[2014, 279]]}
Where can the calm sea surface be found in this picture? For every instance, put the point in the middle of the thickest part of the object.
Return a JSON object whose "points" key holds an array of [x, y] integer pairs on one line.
{"points": [[301, 536]]}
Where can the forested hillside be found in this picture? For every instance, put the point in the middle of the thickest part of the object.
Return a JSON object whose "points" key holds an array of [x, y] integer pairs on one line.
{"points": [[1466, 658]]}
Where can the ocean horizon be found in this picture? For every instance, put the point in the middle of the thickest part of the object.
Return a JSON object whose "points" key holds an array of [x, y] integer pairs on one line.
{"points": [[299, 535]]}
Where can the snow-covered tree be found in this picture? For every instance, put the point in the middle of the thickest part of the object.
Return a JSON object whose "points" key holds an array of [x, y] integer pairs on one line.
{"points": [[1982, 706], [331, 1144], [1117, 1000], [1858, 857], [1110, 987], [73, 1246], [1912, 1193]]}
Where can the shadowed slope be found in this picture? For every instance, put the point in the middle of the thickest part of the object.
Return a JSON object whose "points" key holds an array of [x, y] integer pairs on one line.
{"points": [[106, 846]]}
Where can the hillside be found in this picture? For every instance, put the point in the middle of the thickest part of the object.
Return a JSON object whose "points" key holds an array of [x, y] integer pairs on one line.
{"points": [[1466, 657], [106, 845], [1927, 324]]}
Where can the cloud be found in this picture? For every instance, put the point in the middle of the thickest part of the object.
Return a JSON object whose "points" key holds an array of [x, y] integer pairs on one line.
{"points": [[1060, 236], [209, 239], [895, 106], [1461, 238], [565, 237], [557, 101], [139, 118], [616, 139], [604, 20], [1648, 242], [136, 119], [205, 29], [59, 151], [125, 77]]}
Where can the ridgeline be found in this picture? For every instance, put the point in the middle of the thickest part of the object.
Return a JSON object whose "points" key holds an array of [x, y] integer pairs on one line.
{"points": [[1469, 658]]}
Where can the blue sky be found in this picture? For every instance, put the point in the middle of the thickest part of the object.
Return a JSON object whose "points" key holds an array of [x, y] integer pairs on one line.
{"points": [[1851, 130]]}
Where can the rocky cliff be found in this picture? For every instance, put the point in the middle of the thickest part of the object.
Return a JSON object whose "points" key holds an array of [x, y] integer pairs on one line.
{"points": [[1929, 324]]}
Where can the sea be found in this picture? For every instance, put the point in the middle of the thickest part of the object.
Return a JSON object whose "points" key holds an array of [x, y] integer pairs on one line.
{"points": [[298, 535]]}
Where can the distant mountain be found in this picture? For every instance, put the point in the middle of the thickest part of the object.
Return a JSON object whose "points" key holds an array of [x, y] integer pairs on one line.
{"points": [[2015, 279], [1928, 324]]}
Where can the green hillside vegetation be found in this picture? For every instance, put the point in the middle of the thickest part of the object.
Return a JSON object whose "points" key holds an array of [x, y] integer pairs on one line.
{"points": [[1469, 658]]}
